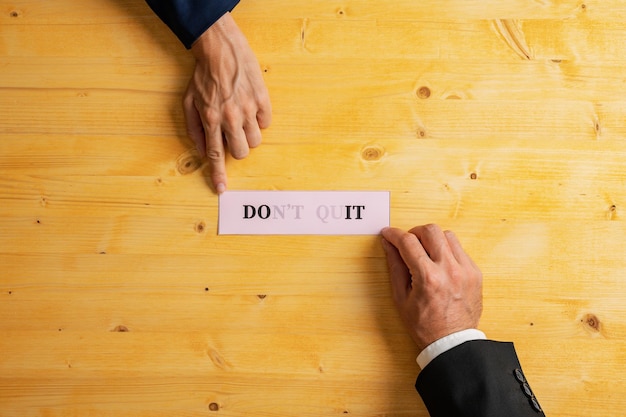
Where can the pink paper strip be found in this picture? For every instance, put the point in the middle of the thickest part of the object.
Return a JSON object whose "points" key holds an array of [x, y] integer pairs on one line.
{"points": [[303, 212]]}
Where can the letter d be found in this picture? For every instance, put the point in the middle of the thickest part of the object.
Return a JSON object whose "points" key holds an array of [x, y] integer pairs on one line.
{"points": [[248, 211]]}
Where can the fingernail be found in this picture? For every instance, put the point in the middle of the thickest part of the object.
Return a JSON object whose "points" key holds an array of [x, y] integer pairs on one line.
{"points": [[220, 188]]}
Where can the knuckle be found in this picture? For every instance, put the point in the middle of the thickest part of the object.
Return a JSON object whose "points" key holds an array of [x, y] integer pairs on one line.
{"points": [[231, 114], [433, 277], [449, 234], [432, 228], [249, 108], [457, 274], [214, 155], [212, 117], [407, 240]]}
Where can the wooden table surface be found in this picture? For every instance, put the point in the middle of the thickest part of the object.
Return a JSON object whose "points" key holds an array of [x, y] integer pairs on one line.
{"points": [[501, 120]]}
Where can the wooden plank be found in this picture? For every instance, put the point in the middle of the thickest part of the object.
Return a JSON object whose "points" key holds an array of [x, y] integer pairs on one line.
{"points": [[123, 113], [78, 111], [478, 80], [485, 40], [532, 184], [84, 74], [403, 10], [94, 11]]}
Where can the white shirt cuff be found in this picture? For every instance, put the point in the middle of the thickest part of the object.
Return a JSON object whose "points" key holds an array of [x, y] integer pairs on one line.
{"points": [[446, 343]]}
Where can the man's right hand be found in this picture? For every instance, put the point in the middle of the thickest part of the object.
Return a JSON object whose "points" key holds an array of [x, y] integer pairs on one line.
{"points": [[435, 284]]}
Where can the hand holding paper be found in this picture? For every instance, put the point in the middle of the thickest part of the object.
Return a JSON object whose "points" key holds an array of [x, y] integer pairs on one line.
{"points": [[435, 284]]}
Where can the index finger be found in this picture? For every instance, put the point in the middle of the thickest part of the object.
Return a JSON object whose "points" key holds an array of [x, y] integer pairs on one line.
{"points": [[408, 245], [216, 156]]}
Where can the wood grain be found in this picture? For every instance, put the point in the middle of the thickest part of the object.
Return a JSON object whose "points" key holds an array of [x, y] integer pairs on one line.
{"points": [[501, 120]]}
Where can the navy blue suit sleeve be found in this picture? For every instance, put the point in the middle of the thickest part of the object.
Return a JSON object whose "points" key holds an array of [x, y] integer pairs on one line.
{"points": [[189, 19], [477, 378]]}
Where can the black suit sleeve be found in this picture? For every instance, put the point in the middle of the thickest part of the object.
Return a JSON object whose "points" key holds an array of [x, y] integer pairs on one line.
{"points": [[480, 378], [188, 19]]}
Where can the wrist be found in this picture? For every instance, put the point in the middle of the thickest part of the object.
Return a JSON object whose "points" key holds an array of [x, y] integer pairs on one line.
{"points": [[214, 35], [446, 343]]}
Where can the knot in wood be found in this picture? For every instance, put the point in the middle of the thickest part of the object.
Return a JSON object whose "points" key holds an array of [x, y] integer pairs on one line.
{"points": [[612, 213], [592, 322], [423, 92], [372, 153], [121, 329], [188, 162], [200, 227]]}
